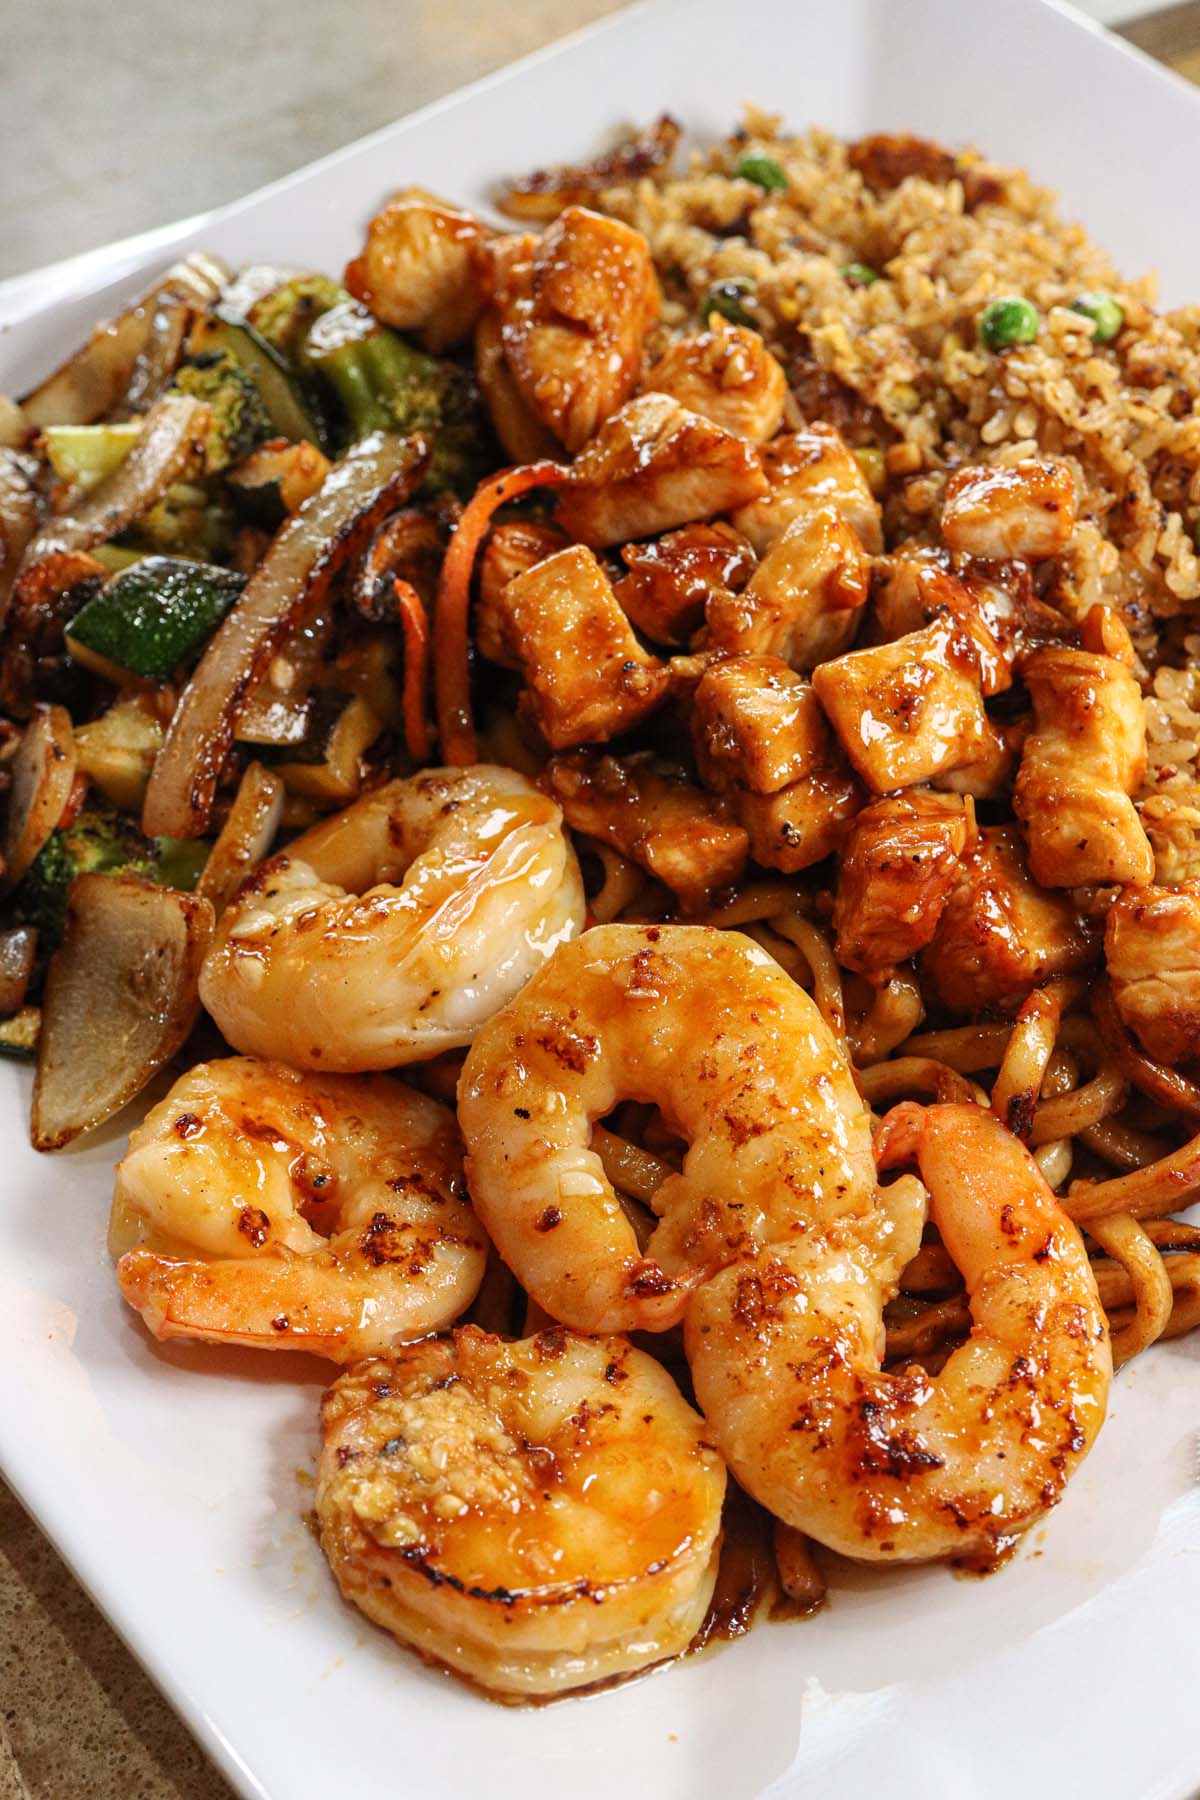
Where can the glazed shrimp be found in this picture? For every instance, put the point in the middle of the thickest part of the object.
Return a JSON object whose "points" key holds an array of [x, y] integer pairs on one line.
{"points": [[905, 1466], [323, 962], [705, 1024], [537, 1515], [261, 1207]]}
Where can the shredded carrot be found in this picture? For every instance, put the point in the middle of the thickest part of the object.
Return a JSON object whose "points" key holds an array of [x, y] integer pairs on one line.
{"points": [[415, 626], [451, 668]]}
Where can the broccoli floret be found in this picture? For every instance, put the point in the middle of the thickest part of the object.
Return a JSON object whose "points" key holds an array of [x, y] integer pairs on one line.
{"points": [[285, 316], [191, 520], [385, 383], [240, 419], [100, 840]]}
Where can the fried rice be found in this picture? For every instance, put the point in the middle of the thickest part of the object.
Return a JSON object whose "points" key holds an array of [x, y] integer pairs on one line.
{"points": [[894, 360]]}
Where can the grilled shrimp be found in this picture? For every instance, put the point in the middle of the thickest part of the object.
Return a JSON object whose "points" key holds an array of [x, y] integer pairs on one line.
{"points": [[784, 1351], [705, 1024], [324, 962], [261, 1207], [538, 1515]]}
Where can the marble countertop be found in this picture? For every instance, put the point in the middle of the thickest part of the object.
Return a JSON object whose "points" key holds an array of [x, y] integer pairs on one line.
{"points": [[79, 1720]]}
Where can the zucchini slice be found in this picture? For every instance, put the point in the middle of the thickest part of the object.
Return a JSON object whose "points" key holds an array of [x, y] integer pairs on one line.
{"points": [[152, 616], [292, 411]]}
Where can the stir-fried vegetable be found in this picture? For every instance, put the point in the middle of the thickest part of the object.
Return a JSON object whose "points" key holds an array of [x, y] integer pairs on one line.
{"points": [[103, 841], [170, 443], [84, 454], [43, 773], [288, 405], [152, 617], [384, 383], [289, 585], [276, 480], [120, 999], [18, 951], [246, 836], [116, 751], [98, 376], [240, 419]]}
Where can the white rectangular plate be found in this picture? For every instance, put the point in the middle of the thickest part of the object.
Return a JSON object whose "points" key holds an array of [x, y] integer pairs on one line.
{"points": [[175, 1480]]}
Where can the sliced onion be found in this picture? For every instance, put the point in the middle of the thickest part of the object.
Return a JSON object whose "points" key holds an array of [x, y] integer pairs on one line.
{"points": [[18, 948], [43, 773], [171, 440], [289, 585], [120, 1000], [18, 520], [245, 838], [92, 382], [159, 356]]}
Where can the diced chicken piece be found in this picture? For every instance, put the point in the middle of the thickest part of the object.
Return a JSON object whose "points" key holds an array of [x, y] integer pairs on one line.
{"points": [[510, 550], [1026, 511], [682, 836], [574, 309], [761, 737], [1083, 759], [1152, 947], [757, 724], [587, 676], [1001, 934], [422, 268], [654, 466], [907, 711], [670, 578], [725, 374], [886, 158], [916, 585], [990, 776], [899, 865], [800, 824], [804, 600], [805, 470], [521, 432]]}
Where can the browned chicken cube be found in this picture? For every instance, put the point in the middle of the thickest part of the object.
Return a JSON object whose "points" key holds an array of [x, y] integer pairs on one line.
{"points": [[423, 268], [917, 584], [1152, 947], [588, 677], [510, 550], [524, 437], [1025, 511], [682, 836], [651, 467], [574, 308], [990, 776], [909, 710], [757, 724], [1000, 934], [899, 865], [1081, 762], [671, 577], [804, 600], [805, 470], [800, 824], [726, 374]]}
